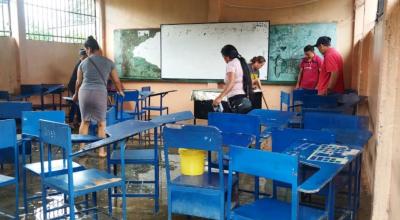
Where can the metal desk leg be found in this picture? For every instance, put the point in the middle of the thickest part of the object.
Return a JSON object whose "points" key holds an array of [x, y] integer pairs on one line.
{"points": [[358, 182], [331, 201], [156, 172], [25, 188], [350, 188]]}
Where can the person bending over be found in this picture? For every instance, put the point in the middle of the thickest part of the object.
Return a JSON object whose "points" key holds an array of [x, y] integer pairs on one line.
{"points": [[331, 77], [237, 81], [256, 63], [310, 68]]}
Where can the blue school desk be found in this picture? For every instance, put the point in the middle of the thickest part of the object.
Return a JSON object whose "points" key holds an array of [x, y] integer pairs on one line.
{"points": [[118, 133], [31, 132], [41, 90], [147, 95], [357, 138], [123, 130], [330, 159]]}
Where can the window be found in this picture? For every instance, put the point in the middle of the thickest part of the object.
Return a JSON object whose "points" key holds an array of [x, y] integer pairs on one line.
{"points": [[69, 21], [5, 26]]}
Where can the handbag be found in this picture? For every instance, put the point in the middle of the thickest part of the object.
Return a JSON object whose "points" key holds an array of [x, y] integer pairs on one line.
{"points": [[241, 105]]}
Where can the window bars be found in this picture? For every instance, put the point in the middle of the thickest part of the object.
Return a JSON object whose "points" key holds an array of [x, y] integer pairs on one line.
{"points": [[68, 21], [5, 25]]}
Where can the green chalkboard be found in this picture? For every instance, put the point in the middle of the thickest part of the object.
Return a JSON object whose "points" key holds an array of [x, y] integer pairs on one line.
{"points": [[137, 53], [286, 43]]}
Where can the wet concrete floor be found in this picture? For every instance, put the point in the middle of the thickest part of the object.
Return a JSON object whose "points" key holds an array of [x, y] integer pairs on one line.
{"points": [[138, 208]]}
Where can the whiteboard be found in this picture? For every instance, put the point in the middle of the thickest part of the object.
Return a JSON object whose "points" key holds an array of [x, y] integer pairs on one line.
{"points": [[193, 51]]}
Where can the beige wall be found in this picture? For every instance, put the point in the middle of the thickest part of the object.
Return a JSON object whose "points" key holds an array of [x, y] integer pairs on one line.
{"points": [[120, 14], [387, 170], [48, 62], [281, 12], [44, 62], [378, 73], [8, 64]]}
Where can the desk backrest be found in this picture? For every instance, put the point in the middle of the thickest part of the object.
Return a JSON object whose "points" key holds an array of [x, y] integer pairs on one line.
{"points": [[32, 89], [4, 95], [281, 167], [285, 100], [55, 133], [235, 123], [298, 94], [8, 136], [30, 120], [132, 95], [13, 110], [198, 137], [283, 138], [316, 101], [146, 88], [321, 120], [111, 116], [265, 115]]}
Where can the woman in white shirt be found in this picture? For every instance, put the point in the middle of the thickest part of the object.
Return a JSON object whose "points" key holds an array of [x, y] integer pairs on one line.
{"points": [[237, 81]]}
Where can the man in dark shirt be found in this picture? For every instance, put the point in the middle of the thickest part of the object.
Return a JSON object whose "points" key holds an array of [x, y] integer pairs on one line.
{"points": [[71, 87]]}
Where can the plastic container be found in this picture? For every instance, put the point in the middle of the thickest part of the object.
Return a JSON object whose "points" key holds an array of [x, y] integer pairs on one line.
{"points": [[192, 161]]}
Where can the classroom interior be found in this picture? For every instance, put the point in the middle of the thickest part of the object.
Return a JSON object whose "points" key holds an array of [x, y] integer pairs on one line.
{"points": [[368, 41]]}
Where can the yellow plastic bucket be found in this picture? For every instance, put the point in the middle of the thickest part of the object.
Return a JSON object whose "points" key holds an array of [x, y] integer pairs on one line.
{"points": [[192, 161]]}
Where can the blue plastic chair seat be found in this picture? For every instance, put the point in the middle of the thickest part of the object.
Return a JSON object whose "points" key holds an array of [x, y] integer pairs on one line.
{"points": [[79, 138], [274, 209], [139, 156], [154, 108], [204, 181], [85, 181], [6, 180], [57, 167]]}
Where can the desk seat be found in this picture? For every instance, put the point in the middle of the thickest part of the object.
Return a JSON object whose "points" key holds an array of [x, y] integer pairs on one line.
{"points": [[57, 166], [80, 138], [5, 180], [274, 209], [135, 156], [85, 181]]}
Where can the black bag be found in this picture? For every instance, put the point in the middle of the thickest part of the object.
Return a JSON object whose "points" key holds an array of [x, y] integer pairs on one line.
{"points": [[240, 104]]}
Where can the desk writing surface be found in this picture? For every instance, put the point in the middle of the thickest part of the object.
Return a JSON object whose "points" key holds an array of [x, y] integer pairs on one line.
{"points": [[129, 128], [172, 118], [118, 132], [330, 159], [155, 93], [51, 88]]}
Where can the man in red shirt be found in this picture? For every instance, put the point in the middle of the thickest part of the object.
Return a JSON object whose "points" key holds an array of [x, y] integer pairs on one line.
{"points": [[310, 67], [331, 76]]}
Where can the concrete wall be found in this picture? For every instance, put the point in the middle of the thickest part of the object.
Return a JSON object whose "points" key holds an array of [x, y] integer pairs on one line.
{"points": [[8, 64], [120, 14], [387, 175], [377, 68], [48, 62]]}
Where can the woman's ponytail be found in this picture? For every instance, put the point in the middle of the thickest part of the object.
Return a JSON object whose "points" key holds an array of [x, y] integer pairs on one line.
{"points": [[247, 84], [231, 52]]}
